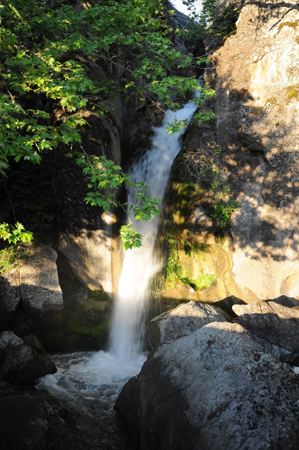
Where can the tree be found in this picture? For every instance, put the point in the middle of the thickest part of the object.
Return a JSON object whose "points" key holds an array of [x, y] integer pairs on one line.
{"points": [[46, 49]]}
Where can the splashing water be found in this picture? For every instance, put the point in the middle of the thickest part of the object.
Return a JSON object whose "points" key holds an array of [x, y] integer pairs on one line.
{"points": [[91, 381]]}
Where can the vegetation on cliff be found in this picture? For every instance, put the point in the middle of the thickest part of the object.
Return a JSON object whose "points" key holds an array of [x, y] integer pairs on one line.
{"points": [[48, 51]]}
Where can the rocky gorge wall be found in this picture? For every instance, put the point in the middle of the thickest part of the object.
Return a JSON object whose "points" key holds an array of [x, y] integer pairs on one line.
{"points": [[252, 146]]}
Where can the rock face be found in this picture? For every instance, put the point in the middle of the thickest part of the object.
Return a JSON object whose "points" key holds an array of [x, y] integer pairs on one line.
{"points": [[215, 388], [258, 126], [254, 143], [275, 324], [21, 362], [49, 301], [181, 321], [42, 295]]}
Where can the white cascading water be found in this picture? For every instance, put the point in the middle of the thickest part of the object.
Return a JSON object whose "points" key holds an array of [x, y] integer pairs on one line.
{"points": [[139, 265], [91, 381]]}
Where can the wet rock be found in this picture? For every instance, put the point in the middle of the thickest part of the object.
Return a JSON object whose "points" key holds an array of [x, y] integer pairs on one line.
{"points": [[215, 388], [22, 362], [274, 323], [181, 321]]}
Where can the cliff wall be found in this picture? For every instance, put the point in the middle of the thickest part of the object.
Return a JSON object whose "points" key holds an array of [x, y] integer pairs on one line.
{"points": [[252, 147]]}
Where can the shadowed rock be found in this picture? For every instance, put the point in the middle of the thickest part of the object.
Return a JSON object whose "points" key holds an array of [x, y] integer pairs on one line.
{"points": [[10, 296], [20, 362], [276, 324]]}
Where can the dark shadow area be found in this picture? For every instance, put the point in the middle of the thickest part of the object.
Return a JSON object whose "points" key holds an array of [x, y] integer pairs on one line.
{"points": [[75, 320]]}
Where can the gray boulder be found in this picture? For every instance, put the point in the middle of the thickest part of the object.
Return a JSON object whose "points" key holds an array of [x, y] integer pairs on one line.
{"points": [[181, 321], [21, 363], [214, 389], [275, 324]]}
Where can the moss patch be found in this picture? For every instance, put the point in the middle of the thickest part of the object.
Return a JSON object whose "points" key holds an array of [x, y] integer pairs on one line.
{"points": [[293, 92], [86, 324], [183, 264]]}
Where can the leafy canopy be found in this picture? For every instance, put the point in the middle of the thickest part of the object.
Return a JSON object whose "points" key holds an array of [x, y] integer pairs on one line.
{"points": [[47, 51]]}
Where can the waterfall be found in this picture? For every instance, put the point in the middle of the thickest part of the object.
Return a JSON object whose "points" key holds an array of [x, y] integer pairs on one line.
{"points": [[91, 382], [139, 265]]}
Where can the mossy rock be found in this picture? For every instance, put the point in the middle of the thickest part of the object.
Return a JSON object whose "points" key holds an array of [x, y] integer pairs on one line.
{"points": [[86, 325]]}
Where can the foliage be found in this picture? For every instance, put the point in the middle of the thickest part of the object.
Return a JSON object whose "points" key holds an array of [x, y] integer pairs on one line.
{"points": [[105, 177], [47, 50], [129, 237], [201, 282], [222, 212], [222, 25], [174, 271], [206, 15], [208, 11], [7, 258], [14, 233], [172, 267], [207, 173], [224, 205], [10, 257], [225, 25], [176, 125], [192, 248]]}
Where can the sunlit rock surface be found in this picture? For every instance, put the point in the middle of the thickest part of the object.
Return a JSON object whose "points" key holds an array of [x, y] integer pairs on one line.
{"points": [[258, 128], [255, 143], [181, 321], [214, 389]]}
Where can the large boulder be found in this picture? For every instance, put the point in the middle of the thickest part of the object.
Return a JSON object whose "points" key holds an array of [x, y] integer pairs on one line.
{"points": [[22, 362], [42, 295], [181, 321], [214, 389], [276, 324]]}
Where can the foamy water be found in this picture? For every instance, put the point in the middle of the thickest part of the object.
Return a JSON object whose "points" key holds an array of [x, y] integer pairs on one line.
{"points": [[90, 381]]}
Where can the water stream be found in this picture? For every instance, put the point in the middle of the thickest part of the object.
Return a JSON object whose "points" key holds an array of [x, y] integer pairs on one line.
{"points": [[91, 381], [140, 265]]}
